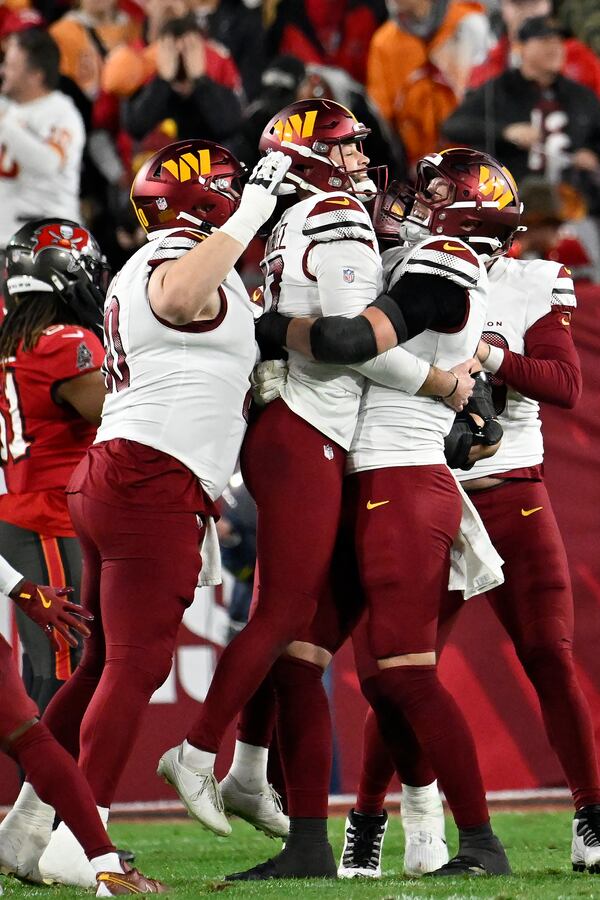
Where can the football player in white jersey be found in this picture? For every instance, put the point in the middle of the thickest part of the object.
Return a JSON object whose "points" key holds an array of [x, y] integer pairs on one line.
{"points": [[179, 332], [321, 258], [41, 136], [404, 502], [528, 351]]}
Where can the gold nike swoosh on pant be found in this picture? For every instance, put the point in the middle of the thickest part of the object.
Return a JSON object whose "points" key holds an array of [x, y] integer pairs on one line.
{"points": [[371, 505], [530, 512]]}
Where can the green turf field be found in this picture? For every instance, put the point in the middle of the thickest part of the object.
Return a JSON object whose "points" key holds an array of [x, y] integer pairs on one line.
{"points": [[192, 860]]}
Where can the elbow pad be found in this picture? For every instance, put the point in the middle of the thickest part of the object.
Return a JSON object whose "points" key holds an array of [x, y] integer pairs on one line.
{"points": [[336, 339], [389, 306]]}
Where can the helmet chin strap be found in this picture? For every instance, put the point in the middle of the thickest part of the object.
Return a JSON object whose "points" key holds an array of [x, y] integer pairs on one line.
{"points": [[195, 221]]}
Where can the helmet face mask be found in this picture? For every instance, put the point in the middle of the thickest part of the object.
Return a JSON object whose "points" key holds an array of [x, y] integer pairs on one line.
{"points": [[308, 131], [59, 257], [459, 192], [190, 183]]}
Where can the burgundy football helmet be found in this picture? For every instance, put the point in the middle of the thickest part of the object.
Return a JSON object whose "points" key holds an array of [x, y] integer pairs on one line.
{"points": [[190, 182], [459, 192], [307, 130]]}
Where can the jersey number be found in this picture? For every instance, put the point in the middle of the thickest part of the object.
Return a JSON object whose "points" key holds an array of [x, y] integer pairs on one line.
{"points": [[18, 445], [273, 269], [115, 368]]}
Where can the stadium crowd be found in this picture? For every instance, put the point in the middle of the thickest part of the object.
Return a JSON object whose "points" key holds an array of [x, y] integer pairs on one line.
{"points": [[128, 129]]}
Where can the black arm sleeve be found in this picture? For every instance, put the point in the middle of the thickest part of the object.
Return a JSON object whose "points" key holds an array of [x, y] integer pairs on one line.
{"points": [[336, 339], [429, 301]]}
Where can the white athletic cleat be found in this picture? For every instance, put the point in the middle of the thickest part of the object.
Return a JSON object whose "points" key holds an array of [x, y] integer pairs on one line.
{"points": [[23, 839], [424, 851], [585, 848], [262, 810], [198, 791], [363, 844], [64, 862]]}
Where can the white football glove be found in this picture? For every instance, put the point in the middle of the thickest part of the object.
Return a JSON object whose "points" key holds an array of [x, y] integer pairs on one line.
{"points": [[258, 197], [267, 380]]}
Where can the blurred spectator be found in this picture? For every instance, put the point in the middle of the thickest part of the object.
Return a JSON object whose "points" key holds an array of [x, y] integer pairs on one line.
{"points": [[383, 146], [237, 537], [183, 89], [550, 235], [533, 118], [279, 86], [325, 32], [581, 18], [239, 29], [580, 63], [41, 136], [85, 35], [24, 19], [419, 62]]}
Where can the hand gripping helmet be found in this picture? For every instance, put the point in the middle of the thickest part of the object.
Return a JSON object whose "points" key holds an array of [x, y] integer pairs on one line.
{"points": [[307, 130], [459, 192], [195, 182], [60, 257]]}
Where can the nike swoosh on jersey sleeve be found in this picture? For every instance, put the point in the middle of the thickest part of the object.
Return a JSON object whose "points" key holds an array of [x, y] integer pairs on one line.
{"points": [[336, 218], [447, 258], [563, 292]]}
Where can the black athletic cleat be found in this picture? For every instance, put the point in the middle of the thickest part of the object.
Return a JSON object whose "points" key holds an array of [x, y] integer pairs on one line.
{"points": [[476, 857], [312, 861], [585, 847], [363, 843]]}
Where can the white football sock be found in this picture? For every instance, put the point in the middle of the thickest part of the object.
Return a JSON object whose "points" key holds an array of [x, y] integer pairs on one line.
{"points": [[28, 802], [201, 760], [420, 802], [108, 862], [249, 767]]}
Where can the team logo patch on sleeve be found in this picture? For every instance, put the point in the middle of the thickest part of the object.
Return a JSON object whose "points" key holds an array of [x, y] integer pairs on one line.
{"points": [[84, 357], [348, 275]]}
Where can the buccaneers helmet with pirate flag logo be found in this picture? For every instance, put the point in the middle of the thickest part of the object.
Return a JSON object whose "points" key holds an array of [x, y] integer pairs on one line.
{"points": [[459, 192], [60, 257], [190, 182], [307, 131]]}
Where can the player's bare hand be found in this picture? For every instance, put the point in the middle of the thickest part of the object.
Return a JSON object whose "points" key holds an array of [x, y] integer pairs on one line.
{"points": [[51, 608], [463, 389]]}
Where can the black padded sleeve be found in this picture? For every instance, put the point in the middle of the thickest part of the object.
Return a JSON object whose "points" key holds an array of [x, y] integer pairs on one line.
{"points": [[336, 339], [429, 301]]}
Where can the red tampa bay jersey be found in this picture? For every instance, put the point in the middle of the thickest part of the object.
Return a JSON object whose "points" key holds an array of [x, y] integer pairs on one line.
{"points": [[178, 389], [42, 439]]}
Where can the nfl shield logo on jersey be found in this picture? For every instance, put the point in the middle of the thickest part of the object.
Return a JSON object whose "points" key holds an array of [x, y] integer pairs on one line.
{"points": [[348, 275], [327, 451]]}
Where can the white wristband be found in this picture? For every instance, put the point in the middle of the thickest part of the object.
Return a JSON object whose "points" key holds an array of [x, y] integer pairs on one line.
{"points": [[494, 360], [9, 577]]}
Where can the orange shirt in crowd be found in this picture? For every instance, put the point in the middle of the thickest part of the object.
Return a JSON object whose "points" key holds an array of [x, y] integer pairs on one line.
{"points": [[409, 90], [80, 58]]}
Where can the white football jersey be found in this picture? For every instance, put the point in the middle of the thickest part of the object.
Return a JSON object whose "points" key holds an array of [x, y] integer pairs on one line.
{"points": [[41, 145], [521, 293], [322, 259], [394, 428], [179, 389]]}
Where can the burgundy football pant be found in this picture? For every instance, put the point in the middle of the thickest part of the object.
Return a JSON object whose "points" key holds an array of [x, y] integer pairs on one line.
{"points": [[51, 771], [140, 571], [295, 475], [535, 606]]}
